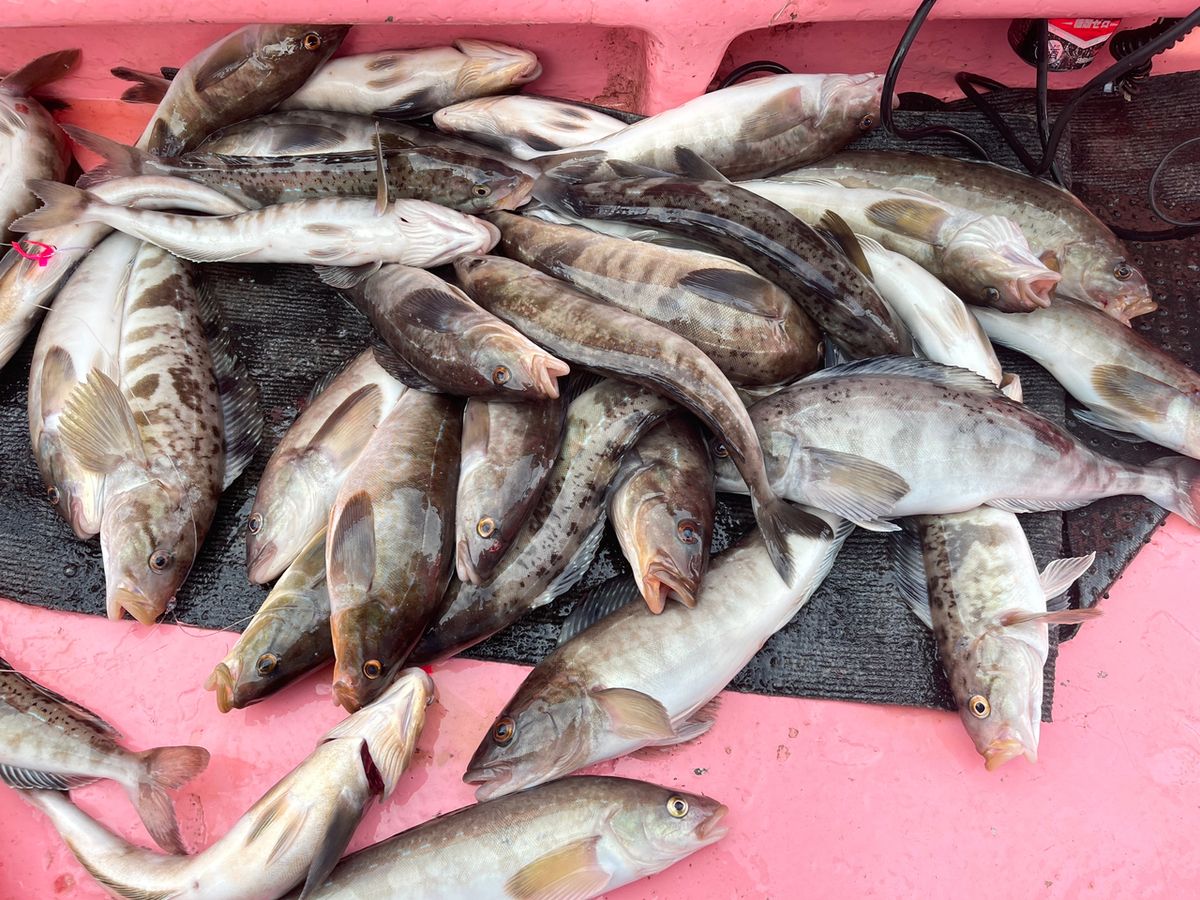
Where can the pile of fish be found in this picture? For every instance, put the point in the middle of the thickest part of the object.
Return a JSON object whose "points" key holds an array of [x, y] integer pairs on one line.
{"points": [[583, 319]]}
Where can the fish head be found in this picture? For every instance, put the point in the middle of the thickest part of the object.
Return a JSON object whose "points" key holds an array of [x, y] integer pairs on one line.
{"points": [[492, 68], [290, 507], [662, 826], [294, 47], [71, 489], [149, 538], [368, 651], [851, 99], [725, 470], [1110, 281], [1000, 699], [486, 184], [437, 234], [993, 266], [668, 543], [515, 367]]}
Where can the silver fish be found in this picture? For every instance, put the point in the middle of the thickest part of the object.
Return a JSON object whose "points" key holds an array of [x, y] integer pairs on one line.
{"points": [[49, 743], [525, 125]]}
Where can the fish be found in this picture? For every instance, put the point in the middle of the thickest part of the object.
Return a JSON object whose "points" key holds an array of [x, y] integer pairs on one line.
{"points": [[295, 833], [971, 578], [81, 333], [560, 537], [751, 329], [746, 228], [577, 838], [341, 231], [524, 125], [984, 259], [31, 143], [288, 637], [50, 743], [752, 129], [663, 511], [244, 74], [904, 413], [307, 468], [508, 453], [1127, 384], [447, 342], [467, 183], [388, 553], [415, 83], [1062, 231], [28, 288], [613, 342], [634, 679]]}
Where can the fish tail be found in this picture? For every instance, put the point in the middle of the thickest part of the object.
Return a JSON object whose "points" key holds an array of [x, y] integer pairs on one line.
{"points": [[163, 768], [1180, 491], [120, 161], [146, 88], [41, 71], [778, 520], [65, 205]]}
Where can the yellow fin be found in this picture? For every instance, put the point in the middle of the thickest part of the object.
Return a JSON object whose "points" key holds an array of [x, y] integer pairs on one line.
{"points": [[344, 434], [635, 715], [572, 872], [922, 221], [98, 427]]}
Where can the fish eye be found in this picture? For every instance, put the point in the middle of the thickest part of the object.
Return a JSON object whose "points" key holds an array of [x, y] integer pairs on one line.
{"points": [[991, 295], [254, 526], [504, 730], [481, 190], [160, 560], [688, 531], [1123, 271], [979, 706], [53, 495], [867, 122], [372, 668], [474, 262], [266, 664], [720, 450], [485, 527], [677, 807], [312, 41], [501, 375]]}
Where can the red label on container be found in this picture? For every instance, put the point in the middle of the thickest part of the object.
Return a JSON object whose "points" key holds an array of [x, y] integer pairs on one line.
{"points": [[1084, 32]]}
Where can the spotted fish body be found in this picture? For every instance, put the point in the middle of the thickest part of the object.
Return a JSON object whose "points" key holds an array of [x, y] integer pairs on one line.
{"points": [[525, 125]]}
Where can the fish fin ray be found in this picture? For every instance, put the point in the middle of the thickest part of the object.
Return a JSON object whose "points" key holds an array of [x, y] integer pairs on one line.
{"points": [[345, 278], [348, 428], [147, 87], [728, 287], [909, 216], [163, 768], [64, 205], [98, 427], [835, 227], [339, 830], [35, 780], [224, 59], [41, 71], [693, 165], [777, 519], [635, 715], [849, 485], [401, 369], [1100, 422], [1134, 393], [910, 367], [599, 603], [120, 161], [1056, 617], [908, 567], [351, 548], [1060, 574], [572, 872], [577, 567]]}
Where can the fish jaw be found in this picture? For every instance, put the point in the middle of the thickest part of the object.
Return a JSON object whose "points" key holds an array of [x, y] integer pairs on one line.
{"points": [[713, 828], [493, 781], [261, 567], [1035, 289], [222, 682], [493, 67], [661, 580], [1001, 750], [464, 565], [131, 600], [545, 370], [516, 195]]}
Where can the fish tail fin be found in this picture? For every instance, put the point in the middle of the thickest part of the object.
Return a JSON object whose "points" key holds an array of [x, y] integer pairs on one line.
{"points": [[65, 205], [778, 520], [41, 71], [163, 768], [146, 88], [120, 161], [1180, 491]]}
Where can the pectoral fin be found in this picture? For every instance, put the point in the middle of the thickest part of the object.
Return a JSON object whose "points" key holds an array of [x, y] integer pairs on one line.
{"points": [[634, 715], [98, 427], [922, 221], [572, 872], [1133, 393], [348, 428], [851, 486]]}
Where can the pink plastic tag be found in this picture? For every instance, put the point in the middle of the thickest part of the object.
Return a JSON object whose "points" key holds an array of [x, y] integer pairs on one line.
{"points": [[40, 258]]}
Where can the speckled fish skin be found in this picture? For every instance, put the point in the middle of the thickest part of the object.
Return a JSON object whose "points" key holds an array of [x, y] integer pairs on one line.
{"points": [[507, 456], [525, 125], [414, 83], [756, 232], [342, 231], [81, 332], [757, 336], [388, 553], [26, 288], [1127, 383], [662, 512], [905, 413], [602, 424], [307, 468], [244, 74], [287, 638], [985, 259], [49, 742], [586, 836], [453, 343], [635, 679], [294, 833], [756, 127], [465, 182], [31, 143], [1060, 229]]}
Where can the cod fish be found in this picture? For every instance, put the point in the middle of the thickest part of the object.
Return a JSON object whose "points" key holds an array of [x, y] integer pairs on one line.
{"points": [[449, 342], [295, 833], [560, 537], [342, 231], [984, 259], [614, 342], [908, 414], [31, 144], [244, 74], [81, 333], [577, 838], [524, 125], [1064, 233], [663, 511], [508, 452], [747, 228], [415, 83], [388, 552], [971, 579], [741, 321], [287, 638], [1128, 384], [635, 679], [49, 743], [754, 128], [306, 470]]}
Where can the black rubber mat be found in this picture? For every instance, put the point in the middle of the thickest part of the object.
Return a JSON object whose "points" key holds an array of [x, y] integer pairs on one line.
{"points": [[855, 640]]}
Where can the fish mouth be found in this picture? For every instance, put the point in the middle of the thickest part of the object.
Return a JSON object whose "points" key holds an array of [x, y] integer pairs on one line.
{"points": [[660, 581], [1130, 306], [260, 569], [221, 681], [493, 781], [133, 601], [713, 828], [544, 371], [1003, 749], [345, 695], [518, 195], [1035, 289], [463, 565]]}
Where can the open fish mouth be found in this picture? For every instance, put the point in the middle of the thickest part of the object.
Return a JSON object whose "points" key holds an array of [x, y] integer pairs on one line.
{"points": [[345, 695], [661, 581], [222, 682], [1003, 749], [544, 372], [134, 602], [518, 195], [1036, 288], [492, 781], [463, 564]]}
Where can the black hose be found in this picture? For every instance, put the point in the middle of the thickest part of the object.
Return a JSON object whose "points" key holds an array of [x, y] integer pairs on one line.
{"points": [[759, 65]]}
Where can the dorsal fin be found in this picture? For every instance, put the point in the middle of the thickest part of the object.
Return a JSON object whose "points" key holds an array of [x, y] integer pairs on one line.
{"points": [[840, 233], [693, 165], [911, 367]]}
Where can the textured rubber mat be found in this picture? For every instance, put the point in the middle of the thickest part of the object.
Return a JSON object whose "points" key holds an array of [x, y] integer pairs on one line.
{"points": [[854, 641]]}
